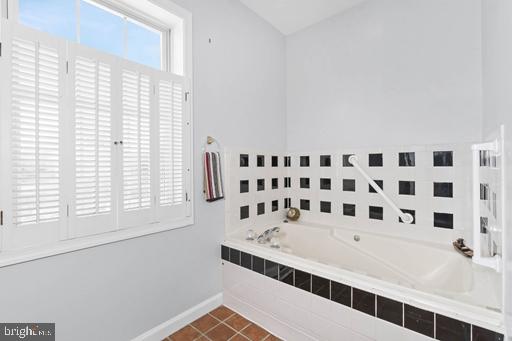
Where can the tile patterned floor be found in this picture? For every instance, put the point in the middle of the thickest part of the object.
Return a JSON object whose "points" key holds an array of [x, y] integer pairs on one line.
{"points": [[222, 324]]}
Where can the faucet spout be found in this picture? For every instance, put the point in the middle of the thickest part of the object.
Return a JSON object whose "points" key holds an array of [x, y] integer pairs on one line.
{"points": [[266, 236]]}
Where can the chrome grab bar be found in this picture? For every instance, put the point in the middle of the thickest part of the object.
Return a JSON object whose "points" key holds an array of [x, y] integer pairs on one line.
{"points": [[406, 217]]}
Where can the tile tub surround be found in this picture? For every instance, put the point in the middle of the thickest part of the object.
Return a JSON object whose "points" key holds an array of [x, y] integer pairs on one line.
{"points": [[433, 182], [415, 321]]}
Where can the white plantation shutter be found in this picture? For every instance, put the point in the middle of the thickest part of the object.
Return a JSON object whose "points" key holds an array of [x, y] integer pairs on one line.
{"points": [[136, 94], [91, 74], [90, 143], [34, 112], [171, 125]]}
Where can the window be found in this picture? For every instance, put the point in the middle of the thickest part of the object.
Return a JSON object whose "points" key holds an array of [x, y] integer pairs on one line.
{"points": [[95, 137], [97, 26]]}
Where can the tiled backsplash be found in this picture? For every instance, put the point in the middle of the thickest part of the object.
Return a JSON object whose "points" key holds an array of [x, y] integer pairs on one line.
{"points": [[433, 183]]}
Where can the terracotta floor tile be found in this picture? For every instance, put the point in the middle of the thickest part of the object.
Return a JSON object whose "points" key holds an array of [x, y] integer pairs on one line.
{"points": [[237, 322], [255, 333], [205, 323], [202, 338], [220, 333], [239, 337], [272, 338], [186, 333], [222, 313]]}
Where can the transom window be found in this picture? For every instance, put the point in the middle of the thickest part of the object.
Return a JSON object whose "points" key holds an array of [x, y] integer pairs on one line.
{"points": [[98, 26]]}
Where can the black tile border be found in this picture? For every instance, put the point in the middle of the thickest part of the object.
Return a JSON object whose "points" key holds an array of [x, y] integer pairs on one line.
{"points": [[399, 313]]}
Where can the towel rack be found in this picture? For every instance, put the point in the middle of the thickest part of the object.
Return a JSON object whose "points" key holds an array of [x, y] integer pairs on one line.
{"points": [[211, 141]]}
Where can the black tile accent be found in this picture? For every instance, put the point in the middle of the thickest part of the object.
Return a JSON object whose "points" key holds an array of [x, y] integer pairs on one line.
{"points": [[407, 159], [275, 183], [448, 329], [260, 160], [286, 274], [375, 160], [406, 187], [444, 220], [261, 184], [341, 293], [304, 204], [325, 206], [325, 161], [481, 334], [363, 301], [304, 182], [443, 189], [376, 212], [244, 186], [349, 210], [379, 183], [275, 161], [275, 205], [258, 265], [304, 161], [261, 208], [244, 160], [419, 320], [224, 252], [234, 256], [349, 185], [320, 286], [345, 160], [443, 159], [390, 310], [244, 212], [325, 183], [484, 224], [287, 202], [271, 269], [246, 260], [287, 182], [303, 280], [411, 212], [287, 161]]}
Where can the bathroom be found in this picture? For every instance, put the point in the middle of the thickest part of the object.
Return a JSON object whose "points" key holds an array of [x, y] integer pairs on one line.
{"points": [[256, 170]]}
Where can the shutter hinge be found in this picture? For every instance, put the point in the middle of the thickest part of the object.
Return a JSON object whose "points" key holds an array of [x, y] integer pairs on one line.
{"points": [[67, 66], [186, 197], [0, 49], [67, 211], [2, 218], [187, 94]]}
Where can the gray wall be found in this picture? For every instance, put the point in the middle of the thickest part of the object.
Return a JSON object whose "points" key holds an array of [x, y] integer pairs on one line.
{"points": [[118, 291], [386, 72], [497, 106]]}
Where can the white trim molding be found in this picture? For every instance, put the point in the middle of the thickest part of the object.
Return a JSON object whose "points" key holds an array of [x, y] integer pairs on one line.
{"points": [[179, 321]]}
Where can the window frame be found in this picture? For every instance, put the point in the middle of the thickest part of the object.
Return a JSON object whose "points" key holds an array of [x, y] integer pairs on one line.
{"points": [[69, 241]]}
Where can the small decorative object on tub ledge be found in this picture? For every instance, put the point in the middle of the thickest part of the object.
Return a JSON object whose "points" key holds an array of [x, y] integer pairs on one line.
{"points": [[293, 214], [462, 248], [213, 188]]}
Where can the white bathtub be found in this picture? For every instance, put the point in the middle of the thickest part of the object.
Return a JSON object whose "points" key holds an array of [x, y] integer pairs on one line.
{"points": [[431, 276]]}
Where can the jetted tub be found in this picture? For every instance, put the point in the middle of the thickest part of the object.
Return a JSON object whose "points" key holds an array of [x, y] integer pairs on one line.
{"points": [[430, 275]]}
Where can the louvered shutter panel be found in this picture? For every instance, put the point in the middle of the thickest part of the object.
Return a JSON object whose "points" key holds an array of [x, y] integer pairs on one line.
{"points": [[171, 145], [34, 76], [135, 200], [92, 76]]}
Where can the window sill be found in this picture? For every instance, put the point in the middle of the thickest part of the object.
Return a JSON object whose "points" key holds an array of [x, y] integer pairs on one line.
{"points": [[21, 256]]}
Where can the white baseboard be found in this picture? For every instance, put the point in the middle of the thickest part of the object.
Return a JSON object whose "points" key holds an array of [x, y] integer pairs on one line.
{"points": [[177, 322]]}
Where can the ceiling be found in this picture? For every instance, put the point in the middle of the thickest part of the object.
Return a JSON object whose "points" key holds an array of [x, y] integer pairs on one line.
{"points": [[290, 16]]}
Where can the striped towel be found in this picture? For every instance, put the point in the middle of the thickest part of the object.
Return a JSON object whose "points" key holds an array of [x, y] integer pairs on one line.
{"points": [[212, 177]]}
